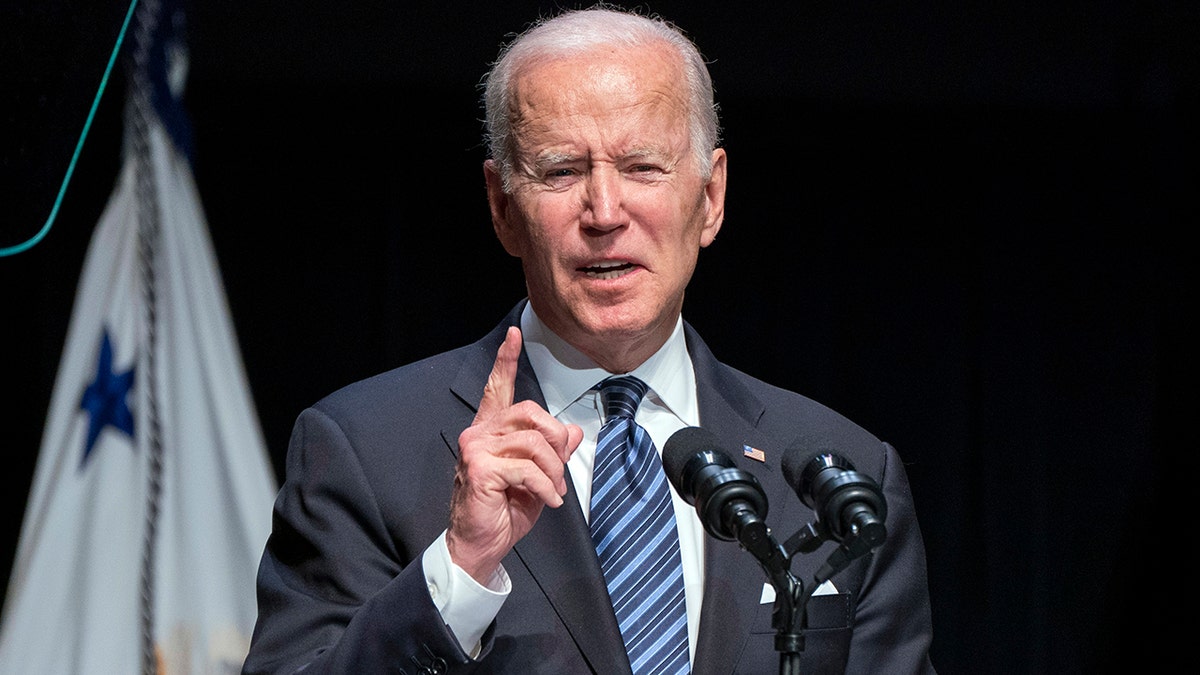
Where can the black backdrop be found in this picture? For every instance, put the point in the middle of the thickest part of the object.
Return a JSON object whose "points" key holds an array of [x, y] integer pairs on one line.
{"points": [[956, 225]]}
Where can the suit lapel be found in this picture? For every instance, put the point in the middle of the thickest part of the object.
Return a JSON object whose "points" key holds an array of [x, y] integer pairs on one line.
{"points": [[733, 579], [558, 551], [560, 556]]}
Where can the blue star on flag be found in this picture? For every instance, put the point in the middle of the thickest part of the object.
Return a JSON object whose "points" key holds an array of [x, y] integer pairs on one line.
{"points": [[105, 399]]}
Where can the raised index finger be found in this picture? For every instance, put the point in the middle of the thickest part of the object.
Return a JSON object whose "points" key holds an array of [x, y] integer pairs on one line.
{"points": [[501, 383]]}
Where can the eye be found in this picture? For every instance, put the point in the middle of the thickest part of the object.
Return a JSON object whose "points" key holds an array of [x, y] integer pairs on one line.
{"points": [[644, 171], [559, 177]]}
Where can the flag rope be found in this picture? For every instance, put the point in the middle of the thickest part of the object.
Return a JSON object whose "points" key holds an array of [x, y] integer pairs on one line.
{"points": [[149, 229]]}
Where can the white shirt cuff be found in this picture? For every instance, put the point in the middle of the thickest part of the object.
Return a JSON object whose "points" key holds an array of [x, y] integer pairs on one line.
{"points": [[467, 607]]}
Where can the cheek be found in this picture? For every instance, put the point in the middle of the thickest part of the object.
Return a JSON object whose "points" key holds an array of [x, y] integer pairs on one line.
{"points": [[527, 231], [560, 215], [677, 210], [550, 217], [697, 233], [674, 228]]}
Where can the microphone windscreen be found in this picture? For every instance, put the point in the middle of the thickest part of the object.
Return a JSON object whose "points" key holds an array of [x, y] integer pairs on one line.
{"points": [[794, 461], [803, 469], [682, 446]]}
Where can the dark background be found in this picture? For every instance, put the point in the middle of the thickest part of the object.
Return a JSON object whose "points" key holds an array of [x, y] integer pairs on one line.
{"points": [[959, 225]]}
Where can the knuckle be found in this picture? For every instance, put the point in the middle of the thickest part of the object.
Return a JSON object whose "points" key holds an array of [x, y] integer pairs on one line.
{"points": [[528, 410]]}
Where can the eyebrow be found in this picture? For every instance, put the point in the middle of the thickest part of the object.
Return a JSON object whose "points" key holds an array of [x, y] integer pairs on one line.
{"points": [[553, 158], [641, 153]]}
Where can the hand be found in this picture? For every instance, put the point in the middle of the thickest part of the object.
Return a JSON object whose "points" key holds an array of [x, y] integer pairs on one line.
{"points": [[511, 463]]}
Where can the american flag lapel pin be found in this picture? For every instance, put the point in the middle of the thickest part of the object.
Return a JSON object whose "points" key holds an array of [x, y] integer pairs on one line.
{"points": [[754, 453]]}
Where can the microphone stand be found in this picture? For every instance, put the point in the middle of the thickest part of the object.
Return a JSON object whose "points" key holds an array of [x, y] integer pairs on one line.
{"points": [[732, 506], [788, 616]]}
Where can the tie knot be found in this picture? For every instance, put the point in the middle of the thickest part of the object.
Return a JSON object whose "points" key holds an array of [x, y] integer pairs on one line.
{"points": [[621, 395]]}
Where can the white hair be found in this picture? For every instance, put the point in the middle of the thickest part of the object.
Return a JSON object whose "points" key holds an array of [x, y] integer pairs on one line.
{"points": [[575, 32]]}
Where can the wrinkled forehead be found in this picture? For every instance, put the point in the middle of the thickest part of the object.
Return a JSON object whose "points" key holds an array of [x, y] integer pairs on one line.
{"points": [[641, 92]]}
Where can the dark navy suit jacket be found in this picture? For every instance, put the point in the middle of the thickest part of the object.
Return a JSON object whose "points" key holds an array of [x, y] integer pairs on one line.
{"points": [[367, 488]]}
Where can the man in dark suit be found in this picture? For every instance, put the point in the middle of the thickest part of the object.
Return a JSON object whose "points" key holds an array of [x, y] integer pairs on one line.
{"points": [[412, 532]]}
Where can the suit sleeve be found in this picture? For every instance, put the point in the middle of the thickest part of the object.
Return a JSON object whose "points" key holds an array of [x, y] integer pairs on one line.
{"points": [[892, 631], [336, 591]]}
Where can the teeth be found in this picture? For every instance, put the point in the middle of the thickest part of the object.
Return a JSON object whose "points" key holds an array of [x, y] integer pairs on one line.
{"points": [[607, 270]]}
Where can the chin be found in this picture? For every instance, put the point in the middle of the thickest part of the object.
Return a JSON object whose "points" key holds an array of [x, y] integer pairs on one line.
{"points": [[620, 324]]}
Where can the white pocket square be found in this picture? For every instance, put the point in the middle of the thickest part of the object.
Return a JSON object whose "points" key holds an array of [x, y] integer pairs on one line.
{"points": [[768, 592]]}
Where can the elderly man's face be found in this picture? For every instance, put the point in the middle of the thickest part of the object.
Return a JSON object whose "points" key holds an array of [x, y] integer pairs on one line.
{"points": [[608, 209]]}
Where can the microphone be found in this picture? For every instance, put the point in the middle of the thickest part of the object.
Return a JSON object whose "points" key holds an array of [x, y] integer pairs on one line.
{"points": [[850, 506], [731, 502]]}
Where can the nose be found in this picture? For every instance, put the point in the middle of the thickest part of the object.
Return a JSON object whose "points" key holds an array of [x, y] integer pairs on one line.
{"points": [[604, 207]]}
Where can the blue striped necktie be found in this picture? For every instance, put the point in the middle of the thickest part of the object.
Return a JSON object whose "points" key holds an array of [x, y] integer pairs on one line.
{"points": [[633, 528]]}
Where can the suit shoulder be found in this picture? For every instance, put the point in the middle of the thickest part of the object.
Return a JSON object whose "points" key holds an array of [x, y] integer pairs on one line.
{"points": [[783, 415], [411, 385], [807, 423]]}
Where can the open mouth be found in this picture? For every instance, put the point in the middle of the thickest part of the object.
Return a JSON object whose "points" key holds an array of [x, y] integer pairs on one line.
{"points": [[607, 270]]}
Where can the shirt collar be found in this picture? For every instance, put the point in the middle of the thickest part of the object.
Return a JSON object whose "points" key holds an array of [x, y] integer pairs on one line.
{"points": [[565, 373]]}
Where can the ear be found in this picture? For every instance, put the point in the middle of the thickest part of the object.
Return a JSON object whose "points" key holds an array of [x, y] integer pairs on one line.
{"points": [[499, 203], [714, 198]]}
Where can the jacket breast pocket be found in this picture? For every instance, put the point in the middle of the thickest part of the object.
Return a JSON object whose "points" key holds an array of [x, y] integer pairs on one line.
{"points": [[826, 639]]}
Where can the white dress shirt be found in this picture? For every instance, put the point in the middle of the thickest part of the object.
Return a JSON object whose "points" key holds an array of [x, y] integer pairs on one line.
{"points": [[567, 379]]}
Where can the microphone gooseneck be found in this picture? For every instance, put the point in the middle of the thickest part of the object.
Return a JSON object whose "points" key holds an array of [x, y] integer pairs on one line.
{"points": [[732, 506]]}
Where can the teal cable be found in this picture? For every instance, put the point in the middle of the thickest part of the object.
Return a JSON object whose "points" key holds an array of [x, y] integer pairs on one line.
{"points": [[31, 242]]}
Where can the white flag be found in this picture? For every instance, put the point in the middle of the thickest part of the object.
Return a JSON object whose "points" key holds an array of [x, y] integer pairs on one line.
{"points": [[152, 497]]}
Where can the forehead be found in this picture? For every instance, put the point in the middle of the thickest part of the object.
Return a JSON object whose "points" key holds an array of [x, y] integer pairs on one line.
{"points": [[614, 95]]}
